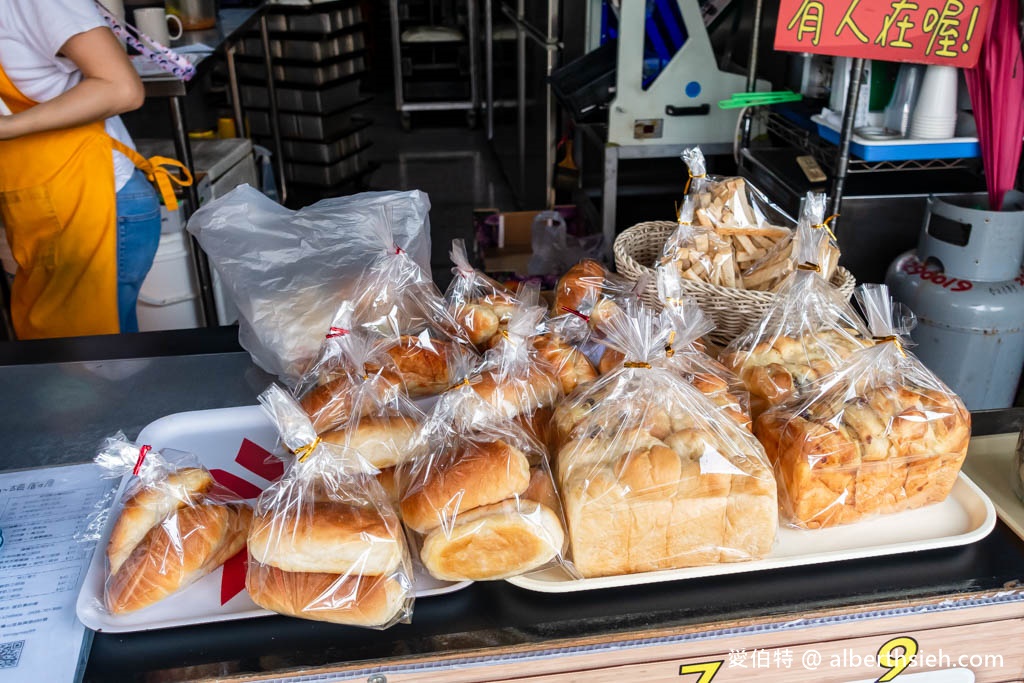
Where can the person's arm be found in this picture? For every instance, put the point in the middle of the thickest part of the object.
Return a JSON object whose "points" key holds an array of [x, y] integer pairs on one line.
{"points": [[109, 86]]}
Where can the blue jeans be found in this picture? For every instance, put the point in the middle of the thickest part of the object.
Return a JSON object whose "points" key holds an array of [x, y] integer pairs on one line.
{"points": [[138, 235]]}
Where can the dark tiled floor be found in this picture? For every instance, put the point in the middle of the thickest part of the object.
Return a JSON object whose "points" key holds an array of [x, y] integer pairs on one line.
{"points": [[453, 164]]}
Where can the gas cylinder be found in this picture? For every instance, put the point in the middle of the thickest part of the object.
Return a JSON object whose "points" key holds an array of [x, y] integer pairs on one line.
{"points": [[965, 284]]}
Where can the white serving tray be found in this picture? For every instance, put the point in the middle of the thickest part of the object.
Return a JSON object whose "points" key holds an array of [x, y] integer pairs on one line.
{"points": [[216, 437], [964, 517], [990, 463]]}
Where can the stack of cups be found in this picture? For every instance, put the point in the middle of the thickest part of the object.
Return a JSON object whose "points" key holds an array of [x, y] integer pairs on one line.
{"points": [[935, 113]]}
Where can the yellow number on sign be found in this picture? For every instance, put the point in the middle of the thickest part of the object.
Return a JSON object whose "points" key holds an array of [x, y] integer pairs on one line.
{"points": [[896, 664], [706, 670]]}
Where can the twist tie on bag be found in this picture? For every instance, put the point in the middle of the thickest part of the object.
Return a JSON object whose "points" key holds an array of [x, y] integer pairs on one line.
{"points": [[336, 332], [812, 267], [584, 318], [669, 351], [690, 178], [464, 383], [895, 339], [143, 452], [637, 365], [824, 225], [399, 250], [303, 452]]}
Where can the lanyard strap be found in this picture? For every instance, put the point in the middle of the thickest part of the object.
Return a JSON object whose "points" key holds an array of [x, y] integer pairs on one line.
{"points": [[157, 170], [164, 57]]}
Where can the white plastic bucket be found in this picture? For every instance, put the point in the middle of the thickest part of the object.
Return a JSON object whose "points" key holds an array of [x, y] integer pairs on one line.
{"points": [[169, 298]]}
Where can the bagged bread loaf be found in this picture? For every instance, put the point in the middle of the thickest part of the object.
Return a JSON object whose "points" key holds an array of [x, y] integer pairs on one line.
{"points": [[326, 543], [881, 434], [399, 302], [769, 272], [174, 527], [807, 332], [364, 408], [650, 474], [591, 290], [480, 305], [481, 501], [725, 227]]}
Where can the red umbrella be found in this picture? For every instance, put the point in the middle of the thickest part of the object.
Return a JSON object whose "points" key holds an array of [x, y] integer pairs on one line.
{"points": [[996, 86]]}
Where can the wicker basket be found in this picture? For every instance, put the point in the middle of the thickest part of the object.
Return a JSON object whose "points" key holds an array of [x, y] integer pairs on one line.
{"points": [[733, 310]]}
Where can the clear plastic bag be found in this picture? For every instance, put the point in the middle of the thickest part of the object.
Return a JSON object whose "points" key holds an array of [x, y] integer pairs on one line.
{"points": [[326, 543], [398, 302], [699, 253], [651, 477], [769, 272], [288, 271], [879, 435], [807, 333], [174, 527], [688, 354], [481, 306], [749, 227], [554, 249], [481, 502], [357, 400]]}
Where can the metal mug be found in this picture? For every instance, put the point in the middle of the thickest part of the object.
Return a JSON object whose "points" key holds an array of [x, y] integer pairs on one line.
{"points": [[194, 14]]}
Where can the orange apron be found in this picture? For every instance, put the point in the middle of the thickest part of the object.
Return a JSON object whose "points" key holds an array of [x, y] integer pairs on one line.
{"points": [[59, 209]]}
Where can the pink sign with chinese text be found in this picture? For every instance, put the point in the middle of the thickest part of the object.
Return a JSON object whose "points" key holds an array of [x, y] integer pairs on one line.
{"points": [[947, 32]]}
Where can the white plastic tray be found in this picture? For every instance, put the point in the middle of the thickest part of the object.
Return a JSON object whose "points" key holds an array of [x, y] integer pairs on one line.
{"points": [[964, 517], [216, 437], [990, 463]]}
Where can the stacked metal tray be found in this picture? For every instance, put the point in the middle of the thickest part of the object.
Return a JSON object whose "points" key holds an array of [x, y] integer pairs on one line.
{"points": [[319, 60]]}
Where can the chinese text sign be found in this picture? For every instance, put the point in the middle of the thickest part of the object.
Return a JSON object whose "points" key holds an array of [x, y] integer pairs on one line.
{"points": [[923, 31]]}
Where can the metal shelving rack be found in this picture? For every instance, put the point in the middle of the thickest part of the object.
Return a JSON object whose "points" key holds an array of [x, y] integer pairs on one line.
{"points": [[403, 105]]}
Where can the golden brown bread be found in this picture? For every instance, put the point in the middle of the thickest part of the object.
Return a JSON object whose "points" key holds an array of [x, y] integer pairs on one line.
{"points": [[572, 366], [582, 281], [329, 404], [484, 317], [519, 395], [493, 542], [187, 545], [422, 364], [151, 505], [890, 449], [382, 441], [353, 600], [328, 536], [777, 369], [390, 480], [479, 474]]}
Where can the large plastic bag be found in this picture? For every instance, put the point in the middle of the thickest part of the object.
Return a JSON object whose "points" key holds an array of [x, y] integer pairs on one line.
{"points": [[651, 476], [481, 501], [288, 271], [326, 543], [807, 332], [879, 435], [554, 249], [175, 525]]}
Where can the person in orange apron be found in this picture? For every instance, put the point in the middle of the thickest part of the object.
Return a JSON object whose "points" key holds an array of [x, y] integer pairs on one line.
{"points": [[82, 245]]}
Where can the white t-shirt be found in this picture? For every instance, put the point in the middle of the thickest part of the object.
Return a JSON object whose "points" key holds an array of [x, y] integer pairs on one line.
{"points": [[32, 32]]}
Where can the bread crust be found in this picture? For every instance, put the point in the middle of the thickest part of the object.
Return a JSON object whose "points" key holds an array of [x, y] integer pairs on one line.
{"points": [[149, 506], [494, 542], [370, 601], [184, 547], [328, 537], [582, 281], [383, 441], [478, 474]]}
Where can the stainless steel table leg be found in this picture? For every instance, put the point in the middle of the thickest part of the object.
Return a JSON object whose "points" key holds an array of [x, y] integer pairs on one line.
{"points": [[275, 126], [236, 95], [609, 197], [202, 265], [396, 54], [474, 57]]}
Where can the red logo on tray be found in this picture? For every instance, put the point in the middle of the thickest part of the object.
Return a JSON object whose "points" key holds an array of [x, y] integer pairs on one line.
{"points": [[260, 462]]}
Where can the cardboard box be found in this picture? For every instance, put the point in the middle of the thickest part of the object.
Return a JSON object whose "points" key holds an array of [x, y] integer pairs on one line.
{"points": [[503, 239]]}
